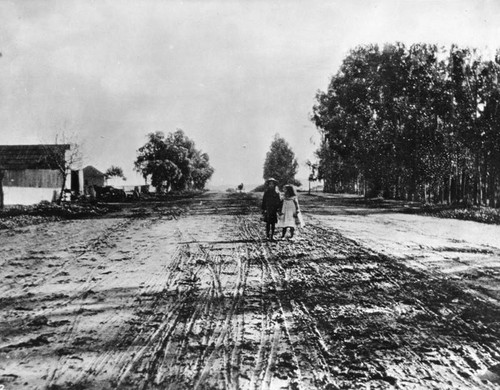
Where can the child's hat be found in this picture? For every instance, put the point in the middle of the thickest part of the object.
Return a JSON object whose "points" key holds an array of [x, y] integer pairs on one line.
{"points": [[292, 188]]}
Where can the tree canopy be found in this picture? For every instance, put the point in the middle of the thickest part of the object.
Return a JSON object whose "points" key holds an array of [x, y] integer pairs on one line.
{"points": [[281, 163], [114, 171], [172, 162], [418, 122]]}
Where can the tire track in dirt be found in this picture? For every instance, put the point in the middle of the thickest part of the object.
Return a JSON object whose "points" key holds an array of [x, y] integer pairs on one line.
{"points": [[95, 244], [218, 338], [88, 288], [203, 302], [275, 343], [101, 250], [209, 344], [154, 286], [214, 334], [154, 290], [154, 372], [368, 277], [67, 252], [148, 360], [320, 257], [60, 333]]}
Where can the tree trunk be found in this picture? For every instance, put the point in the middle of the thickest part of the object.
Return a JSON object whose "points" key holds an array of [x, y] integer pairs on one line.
{"points": [[463, 185], [475, 187], [63, 187], [478, 182], [485, 182], [448, 190], [1, 189], [492, 188], [454, 188]]}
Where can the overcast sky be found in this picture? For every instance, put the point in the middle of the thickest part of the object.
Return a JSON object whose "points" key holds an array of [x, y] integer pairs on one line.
{"points": [[231, 74]]}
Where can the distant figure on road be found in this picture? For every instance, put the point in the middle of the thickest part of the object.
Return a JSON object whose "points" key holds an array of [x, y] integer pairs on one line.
{"points": [[290, 216], [271, 203], [240, 187]]}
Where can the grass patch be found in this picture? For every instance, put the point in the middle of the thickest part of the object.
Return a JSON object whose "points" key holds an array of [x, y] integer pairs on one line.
{"points": [[19, 216], [478, 214]]}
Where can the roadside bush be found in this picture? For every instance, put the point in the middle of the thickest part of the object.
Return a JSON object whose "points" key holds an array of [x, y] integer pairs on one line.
{"points": [[181, 194], [260, 188], [19, 216], [477, 214]]}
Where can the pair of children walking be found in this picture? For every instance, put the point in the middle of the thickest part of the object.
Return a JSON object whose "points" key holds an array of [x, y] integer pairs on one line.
{"points": [[284, 214]]}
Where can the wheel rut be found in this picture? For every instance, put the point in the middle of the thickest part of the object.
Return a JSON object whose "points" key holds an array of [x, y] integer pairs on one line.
{"points": [[202, 301]]}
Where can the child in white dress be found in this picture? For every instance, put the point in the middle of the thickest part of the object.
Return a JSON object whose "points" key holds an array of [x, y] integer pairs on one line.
{"points": [[290, 217]]}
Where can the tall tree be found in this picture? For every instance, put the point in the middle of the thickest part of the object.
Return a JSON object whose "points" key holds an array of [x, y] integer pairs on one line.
{"points": [[155, 160], [417, 122], [281, 163], [202, 170], [114, 171], [173, 162]]}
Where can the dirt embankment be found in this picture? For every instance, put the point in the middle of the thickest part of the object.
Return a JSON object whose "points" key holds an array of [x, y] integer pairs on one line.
{"points": [[195, 299]]}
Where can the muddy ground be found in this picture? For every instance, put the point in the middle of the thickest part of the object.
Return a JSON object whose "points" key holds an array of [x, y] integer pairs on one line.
{"points": [[188, 295]]}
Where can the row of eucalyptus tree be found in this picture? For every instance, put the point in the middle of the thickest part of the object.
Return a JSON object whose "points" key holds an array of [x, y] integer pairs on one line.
{"points": [[419, 122]]}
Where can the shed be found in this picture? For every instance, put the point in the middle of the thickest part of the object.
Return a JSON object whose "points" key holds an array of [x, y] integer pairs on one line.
{"points": [[32, 173], [92, 177]]}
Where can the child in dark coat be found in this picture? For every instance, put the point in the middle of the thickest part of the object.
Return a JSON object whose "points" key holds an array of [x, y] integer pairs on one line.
{"points": [[271, 204]]}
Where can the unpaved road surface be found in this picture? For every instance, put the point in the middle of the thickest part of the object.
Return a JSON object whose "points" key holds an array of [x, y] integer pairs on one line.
{"points": [[188, 295]]}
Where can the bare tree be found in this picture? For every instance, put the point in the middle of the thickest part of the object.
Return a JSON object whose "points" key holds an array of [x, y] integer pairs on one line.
{"points": [[313, 176], [65, 158]]}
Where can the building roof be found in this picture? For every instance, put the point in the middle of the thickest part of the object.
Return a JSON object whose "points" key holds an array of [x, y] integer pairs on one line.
{"points": [[89, 170], [14, 157]]}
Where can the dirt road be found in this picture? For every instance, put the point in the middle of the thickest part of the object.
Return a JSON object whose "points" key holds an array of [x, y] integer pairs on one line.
{"points": [[188, 295]]}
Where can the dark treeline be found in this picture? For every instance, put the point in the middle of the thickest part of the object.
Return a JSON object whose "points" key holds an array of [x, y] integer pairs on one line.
{"points": [[415, 123]]}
